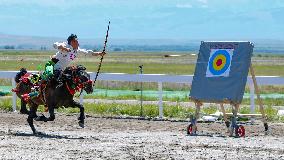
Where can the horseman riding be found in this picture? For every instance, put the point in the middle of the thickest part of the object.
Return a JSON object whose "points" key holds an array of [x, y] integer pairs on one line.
{"points": [[66, 54], [56, 86]]}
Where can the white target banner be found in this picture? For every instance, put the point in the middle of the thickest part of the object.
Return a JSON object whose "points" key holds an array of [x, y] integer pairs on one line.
{"points": [[219, 63]]}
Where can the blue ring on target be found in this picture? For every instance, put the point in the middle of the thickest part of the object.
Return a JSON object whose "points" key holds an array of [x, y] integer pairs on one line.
{"points": [[227, 63]]}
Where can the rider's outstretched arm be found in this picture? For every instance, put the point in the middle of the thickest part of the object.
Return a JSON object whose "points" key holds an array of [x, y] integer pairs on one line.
{"points": [[84, 51]]}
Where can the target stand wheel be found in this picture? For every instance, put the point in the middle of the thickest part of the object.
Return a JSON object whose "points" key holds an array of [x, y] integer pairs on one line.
{"points": [[240, 131], [190, 130], [266, 129]]}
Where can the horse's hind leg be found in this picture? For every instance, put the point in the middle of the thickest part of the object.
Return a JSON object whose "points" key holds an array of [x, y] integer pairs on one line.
{"points": [[45, 119], [51, 114], [82, 114]]}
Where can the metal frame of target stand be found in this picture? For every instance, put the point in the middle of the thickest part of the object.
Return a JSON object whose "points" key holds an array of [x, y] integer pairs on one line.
{"points": [[232, 126]]}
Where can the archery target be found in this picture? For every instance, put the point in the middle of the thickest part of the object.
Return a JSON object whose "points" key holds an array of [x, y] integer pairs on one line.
{"points": [[219, 63]]}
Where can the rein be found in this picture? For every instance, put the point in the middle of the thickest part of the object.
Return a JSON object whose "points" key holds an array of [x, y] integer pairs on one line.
{"points": [[70, 90], [78, 86]]}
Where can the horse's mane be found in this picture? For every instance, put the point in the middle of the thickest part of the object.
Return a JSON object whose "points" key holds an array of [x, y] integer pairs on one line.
{"points": [[78, 67], [78, 70]]}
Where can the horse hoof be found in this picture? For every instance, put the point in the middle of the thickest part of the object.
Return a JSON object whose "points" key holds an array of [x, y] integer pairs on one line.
{"points": [[41, 118], [81, 124], [24, 111]]}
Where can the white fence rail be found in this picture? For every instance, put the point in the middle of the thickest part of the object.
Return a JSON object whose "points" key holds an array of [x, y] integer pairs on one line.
{"points": [[158, 78]]}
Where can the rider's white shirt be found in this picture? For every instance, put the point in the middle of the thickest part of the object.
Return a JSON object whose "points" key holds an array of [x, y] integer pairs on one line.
{"points": [[65, 58]]}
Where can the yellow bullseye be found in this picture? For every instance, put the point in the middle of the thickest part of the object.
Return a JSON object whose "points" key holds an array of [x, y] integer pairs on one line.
{"points": [[219, 62]]}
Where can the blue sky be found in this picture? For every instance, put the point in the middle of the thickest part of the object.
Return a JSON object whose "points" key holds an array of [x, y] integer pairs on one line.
{"points": [[150, 19]]}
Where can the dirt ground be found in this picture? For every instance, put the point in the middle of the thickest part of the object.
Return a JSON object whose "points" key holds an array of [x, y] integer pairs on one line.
{"points": [[104, 138]]}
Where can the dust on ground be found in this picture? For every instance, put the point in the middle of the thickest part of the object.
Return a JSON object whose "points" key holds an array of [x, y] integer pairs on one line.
{"points": [[106, 138]]}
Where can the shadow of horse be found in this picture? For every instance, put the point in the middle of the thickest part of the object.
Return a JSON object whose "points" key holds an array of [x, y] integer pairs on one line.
{"points": [[45, 135]]}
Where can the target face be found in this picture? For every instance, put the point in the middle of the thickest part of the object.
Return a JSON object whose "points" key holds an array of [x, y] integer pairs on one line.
{"points": [[219, 63]]}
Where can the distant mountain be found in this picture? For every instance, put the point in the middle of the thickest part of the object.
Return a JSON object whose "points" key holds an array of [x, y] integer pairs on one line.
{"points": [[26, 42], [45, 43], [16, 40]]}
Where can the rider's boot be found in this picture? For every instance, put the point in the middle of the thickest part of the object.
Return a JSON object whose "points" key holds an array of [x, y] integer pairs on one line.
{"points": [[57, 77]]}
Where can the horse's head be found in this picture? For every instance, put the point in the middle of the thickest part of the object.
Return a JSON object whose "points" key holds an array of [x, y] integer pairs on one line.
{"points": [[77, 75], [23, 83], [87, 83], [84, 79], [19, 75]]}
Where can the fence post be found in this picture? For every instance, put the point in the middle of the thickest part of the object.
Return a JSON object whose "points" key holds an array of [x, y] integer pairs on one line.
{"points": [[82, 98], [160, 88], [141, 92], [14, 98]]}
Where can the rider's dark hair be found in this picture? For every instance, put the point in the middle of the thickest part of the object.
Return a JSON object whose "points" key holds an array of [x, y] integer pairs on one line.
{"points": [[71, 37]]}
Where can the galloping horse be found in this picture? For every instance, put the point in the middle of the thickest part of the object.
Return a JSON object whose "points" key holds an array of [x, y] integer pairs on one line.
{"points": [[74, 78]]}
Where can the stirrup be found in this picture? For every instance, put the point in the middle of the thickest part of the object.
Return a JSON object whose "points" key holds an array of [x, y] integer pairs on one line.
{"points": [[60, 84]]}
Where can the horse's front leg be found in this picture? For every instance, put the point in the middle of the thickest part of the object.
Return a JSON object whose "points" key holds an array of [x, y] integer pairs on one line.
{"points": [[23, 109], [82, 112], [32, 115]]}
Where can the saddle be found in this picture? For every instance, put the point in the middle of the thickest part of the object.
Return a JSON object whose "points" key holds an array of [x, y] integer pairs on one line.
{"points": [[38, 82]]}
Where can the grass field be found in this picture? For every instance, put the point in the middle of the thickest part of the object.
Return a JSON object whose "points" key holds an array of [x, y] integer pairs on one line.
{"points": [[117, 62], [153, 62]]}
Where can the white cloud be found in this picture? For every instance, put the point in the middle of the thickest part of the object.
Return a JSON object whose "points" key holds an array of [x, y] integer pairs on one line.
{"points": [[48, 3], [203, 1], [184, 6], [204, 6]]}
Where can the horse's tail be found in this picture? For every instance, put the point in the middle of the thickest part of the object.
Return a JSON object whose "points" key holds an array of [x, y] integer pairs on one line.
{"points": [[22, 72]]}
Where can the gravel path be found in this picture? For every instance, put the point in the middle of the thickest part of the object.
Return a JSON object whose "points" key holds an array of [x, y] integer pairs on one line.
{"points": [[104, 138]]}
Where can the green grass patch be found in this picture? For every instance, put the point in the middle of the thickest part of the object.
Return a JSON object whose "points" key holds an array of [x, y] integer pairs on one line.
{"points": [[267, 101], [6, 104], [175, 111]]}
